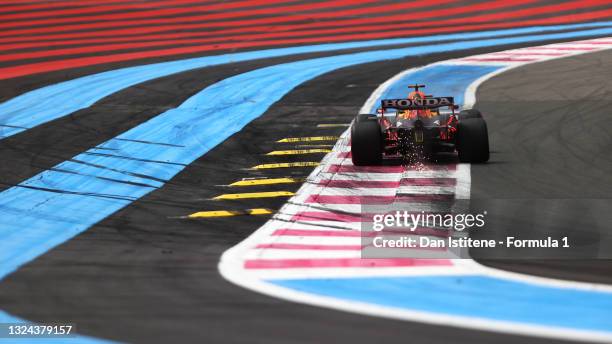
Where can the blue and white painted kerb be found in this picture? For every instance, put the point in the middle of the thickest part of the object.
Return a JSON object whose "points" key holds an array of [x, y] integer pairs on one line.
{"points": [[462, 293]]}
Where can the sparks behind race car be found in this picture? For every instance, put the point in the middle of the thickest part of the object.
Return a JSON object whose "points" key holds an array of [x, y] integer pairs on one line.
{"points": [[419, 128]]}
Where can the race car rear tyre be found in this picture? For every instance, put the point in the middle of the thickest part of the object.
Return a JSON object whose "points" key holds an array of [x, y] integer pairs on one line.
{"points": [[366, 143], [470, 113], [364, 117], [473, 140]]}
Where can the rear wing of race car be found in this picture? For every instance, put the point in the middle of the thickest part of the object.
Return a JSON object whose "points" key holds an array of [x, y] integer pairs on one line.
{"points": [[418, 104]]}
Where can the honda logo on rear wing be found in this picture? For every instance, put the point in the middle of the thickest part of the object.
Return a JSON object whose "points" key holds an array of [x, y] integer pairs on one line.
{"points": [[416, 104]]}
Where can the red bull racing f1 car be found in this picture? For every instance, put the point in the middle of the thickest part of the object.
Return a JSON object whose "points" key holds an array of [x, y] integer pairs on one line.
{"points": [[419, 126]]}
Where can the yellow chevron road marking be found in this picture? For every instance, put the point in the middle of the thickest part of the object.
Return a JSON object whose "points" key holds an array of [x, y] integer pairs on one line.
{"points": [[268, 194], [226, 213], [299, 151], [309, 139], [267, 181], [286, 165]]}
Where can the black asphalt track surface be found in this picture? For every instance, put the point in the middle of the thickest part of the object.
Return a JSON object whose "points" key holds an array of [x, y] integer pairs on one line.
{"points": [[145, 275], [550, 171]]}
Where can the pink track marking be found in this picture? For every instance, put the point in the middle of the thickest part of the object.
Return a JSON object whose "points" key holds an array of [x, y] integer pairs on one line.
{"points": [[335, 168], [342, 263], [416, 198], [351, 184], [499, 59], [353, 233]]}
